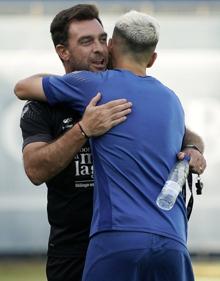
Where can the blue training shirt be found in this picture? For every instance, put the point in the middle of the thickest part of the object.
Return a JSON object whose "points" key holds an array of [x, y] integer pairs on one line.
{"points": [[132, 160]]}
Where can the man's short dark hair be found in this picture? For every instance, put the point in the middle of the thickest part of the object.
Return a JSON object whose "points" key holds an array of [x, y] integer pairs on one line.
{"points": [[60, 24]]}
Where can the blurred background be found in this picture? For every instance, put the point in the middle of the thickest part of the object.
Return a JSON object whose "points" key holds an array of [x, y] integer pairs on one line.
{"points": [[188, 62]]}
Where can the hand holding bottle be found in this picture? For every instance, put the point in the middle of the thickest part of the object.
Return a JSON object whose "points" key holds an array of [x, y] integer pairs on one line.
{"points": [[176, 179]]}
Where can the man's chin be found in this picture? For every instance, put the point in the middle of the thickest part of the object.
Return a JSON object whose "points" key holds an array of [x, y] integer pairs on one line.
{"points": [[98, 68]]}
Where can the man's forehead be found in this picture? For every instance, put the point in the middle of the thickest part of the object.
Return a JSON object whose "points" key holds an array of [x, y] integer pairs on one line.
{"points": [[86, 28]]}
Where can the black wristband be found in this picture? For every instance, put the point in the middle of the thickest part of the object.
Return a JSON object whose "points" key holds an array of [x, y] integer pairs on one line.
{"points": [[193, 146], [82, 131]]}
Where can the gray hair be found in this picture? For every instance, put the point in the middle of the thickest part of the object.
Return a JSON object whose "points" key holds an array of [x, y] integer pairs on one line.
{"points": [[140, 30]]}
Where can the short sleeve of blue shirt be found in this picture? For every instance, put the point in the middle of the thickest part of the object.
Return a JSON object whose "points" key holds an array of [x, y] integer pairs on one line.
{"points": [[75, 89]]}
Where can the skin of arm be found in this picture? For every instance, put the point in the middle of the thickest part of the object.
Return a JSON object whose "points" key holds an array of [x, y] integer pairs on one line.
{"points": [[30, 88], [192, 138], [197, 161], [43, 161]]}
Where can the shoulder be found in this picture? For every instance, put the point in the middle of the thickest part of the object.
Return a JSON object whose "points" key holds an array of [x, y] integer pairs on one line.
{"points": [[34, 108], [165, 88]]}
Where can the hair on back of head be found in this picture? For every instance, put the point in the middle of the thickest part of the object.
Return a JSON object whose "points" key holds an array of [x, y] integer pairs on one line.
{"points": [[140, 31], [60, 25]]}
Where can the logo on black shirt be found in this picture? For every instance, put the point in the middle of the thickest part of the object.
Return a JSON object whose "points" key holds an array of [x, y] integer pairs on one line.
{"points": [[67, 123], [84, 168]]}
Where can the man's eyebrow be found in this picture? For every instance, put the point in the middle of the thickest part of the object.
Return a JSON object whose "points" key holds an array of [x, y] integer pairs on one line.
{"points": [[104, 34], [85, 37]]}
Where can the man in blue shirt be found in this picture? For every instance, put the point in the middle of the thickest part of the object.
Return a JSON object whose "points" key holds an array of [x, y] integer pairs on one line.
{"points": [[131, 238]]}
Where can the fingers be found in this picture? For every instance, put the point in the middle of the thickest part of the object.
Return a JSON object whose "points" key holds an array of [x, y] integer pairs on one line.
{"points": [[180, 155], [202, 167], [118, 121], [99, 119], [95, 99], [198, 165], [197, 161], [115, 103], [121, 107], [117, 109], [114, 106], [120, 117], [120, 114]]}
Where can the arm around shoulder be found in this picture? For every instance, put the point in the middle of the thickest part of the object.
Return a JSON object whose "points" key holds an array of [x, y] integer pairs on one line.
{"points": [[30, 88]]}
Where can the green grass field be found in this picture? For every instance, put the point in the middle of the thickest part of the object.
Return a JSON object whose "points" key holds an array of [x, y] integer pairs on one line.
{"points": [[207, 271], [22, 270], [31, 270]]}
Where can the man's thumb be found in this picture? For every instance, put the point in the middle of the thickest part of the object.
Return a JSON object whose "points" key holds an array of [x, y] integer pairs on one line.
{"points": [[180, 155]]}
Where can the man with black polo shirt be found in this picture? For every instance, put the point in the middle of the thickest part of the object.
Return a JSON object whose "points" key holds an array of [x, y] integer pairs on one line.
{"points": [[54, 152], [51, 142]]}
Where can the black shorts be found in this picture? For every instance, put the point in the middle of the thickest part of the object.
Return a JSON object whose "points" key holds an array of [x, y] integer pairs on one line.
{"points": [[65, 268]]}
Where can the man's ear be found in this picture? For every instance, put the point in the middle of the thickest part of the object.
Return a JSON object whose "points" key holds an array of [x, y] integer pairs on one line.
{"points": [[62, 52], [109, 44], [152, 60]]}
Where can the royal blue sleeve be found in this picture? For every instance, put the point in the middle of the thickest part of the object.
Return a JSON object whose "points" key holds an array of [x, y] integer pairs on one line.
{"points": [[75, 89]]}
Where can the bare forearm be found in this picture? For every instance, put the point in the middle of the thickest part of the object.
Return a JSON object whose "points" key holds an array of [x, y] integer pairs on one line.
{"points": [[190, 138], [46, 161], [30, 88], [194, 147]]}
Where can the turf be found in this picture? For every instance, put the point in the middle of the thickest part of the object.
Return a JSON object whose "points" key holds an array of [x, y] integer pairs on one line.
{"points": [[207, 271], [11, 270]]}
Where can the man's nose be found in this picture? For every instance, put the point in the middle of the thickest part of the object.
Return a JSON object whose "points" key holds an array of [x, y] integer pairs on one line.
{"points": [[99, 47]]}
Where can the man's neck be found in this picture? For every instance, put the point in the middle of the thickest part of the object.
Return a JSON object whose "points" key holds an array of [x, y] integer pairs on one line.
{"points": [[128, 63], [68, 69], [137, 69]]}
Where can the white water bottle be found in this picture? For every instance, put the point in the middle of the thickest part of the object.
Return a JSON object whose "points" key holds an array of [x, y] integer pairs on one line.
{"points": [[176, 179]]}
